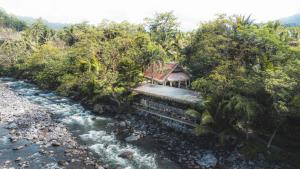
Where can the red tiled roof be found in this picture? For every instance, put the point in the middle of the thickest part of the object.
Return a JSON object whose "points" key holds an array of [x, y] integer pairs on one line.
{"points": [[160, 71]]}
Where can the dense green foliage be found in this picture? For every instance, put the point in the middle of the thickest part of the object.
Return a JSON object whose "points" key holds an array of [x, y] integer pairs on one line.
{"points": [[164, 30], [82, 61], [249, 74], [11, 21]]}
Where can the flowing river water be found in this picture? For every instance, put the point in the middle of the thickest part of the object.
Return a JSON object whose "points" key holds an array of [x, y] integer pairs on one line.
{"points": [[91, 129], [153, 151]]}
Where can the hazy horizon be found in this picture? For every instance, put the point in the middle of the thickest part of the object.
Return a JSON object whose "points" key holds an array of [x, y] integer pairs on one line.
{"points": [[190, 12]]}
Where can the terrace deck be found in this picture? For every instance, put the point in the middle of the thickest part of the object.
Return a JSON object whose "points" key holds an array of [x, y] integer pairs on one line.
{"points": [[170, 93]]}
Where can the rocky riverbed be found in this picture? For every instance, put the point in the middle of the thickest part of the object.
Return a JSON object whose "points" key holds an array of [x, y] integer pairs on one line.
{"points": [[39, 129], [30, 138], [63, 134], [188, 150]]}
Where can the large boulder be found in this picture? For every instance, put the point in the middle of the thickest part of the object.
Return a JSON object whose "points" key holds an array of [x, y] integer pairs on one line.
{"points": [[207, 161], [132, 138], [98, 108], [122, 124], [126, 154], [55, 143], [110, 124]]}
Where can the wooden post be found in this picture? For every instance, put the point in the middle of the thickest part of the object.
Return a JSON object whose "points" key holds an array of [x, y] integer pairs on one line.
{"points": [[152, 74], [178, 84], [171, 83]]}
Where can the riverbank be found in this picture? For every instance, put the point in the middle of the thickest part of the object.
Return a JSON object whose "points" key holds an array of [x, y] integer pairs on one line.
{"points": [[191, 151], [121, 141], [93, 131], [29, 133]]}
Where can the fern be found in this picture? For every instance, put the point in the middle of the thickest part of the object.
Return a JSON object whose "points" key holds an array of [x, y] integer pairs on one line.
{"points": [[193, 113], [206, 118]]}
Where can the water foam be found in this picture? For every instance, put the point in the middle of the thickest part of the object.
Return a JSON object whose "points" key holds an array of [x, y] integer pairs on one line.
{"points": [[109, 148], [101, 142]]}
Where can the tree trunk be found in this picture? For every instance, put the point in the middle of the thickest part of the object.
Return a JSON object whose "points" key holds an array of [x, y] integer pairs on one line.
{"points": [[247, 132], [272, 137]]}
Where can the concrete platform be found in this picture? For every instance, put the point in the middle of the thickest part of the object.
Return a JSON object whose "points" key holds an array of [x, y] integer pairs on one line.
{"points": [[170, 93]]}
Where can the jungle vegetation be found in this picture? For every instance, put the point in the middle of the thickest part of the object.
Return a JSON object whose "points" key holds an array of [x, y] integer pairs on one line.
{"points": [[248, 73]]}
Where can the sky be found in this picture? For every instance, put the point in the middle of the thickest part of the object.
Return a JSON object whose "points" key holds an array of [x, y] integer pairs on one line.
{"points": [[190, 13]]}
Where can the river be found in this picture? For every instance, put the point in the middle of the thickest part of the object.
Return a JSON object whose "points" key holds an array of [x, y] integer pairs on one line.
{"points": [[91, 130], [161, 148]]}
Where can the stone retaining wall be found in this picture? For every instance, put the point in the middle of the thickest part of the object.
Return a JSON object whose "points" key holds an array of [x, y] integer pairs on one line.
{"points": [[170, 113]]}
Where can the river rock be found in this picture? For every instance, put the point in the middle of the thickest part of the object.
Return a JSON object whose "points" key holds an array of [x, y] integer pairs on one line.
{"points": [[7, 162], [128, 123], [62, 163], [110, 124], [98, 108], [55, 143], [126, 154], [132, 138], [24, 164], [18, 148], [118, 167], [18, 159], [13, 139], [208, 161], [42, 152], [122, 124], [12, 126]]}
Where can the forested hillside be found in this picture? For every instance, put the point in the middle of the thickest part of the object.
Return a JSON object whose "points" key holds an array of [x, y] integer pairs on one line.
{"points": [[249, 74], [12, 22], [52, 25], [291, 20]]}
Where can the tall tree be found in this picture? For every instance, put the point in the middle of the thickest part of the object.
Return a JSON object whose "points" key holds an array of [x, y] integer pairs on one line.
{"points": [[164, 29]]}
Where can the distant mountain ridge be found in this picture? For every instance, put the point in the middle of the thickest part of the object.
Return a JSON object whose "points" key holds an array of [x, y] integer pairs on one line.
{"points": [[53, 25], [293, 20]]}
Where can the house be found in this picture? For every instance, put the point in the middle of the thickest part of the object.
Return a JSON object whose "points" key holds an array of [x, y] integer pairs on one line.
{"points": [[168, 74]]}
